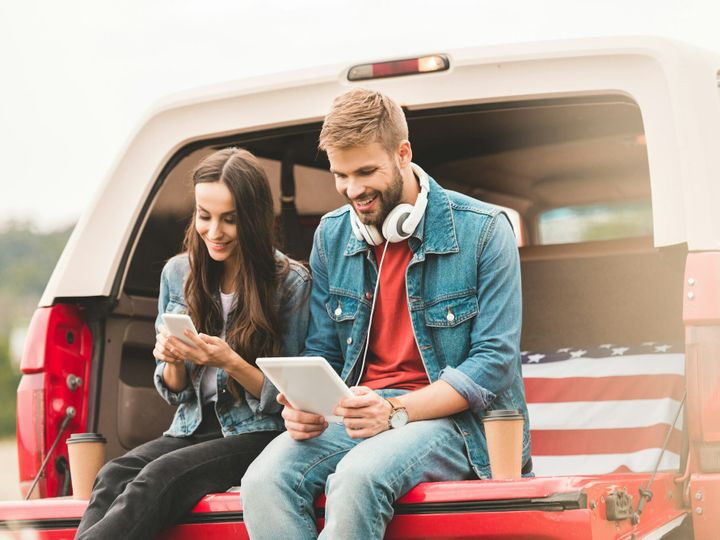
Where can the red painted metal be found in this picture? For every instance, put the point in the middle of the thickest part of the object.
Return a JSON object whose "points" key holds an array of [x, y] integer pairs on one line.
{"points": [[702, 288], [705, 500], [585, 523], [701, 314], [570, 525], [207, 531], [58, 344], [52, 508]]}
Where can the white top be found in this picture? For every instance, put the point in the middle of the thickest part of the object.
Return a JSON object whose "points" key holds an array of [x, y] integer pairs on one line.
{"points": [[208, 384]]}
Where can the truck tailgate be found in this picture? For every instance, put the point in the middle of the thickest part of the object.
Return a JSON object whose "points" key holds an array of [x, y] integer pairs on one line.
{"points": [[532, 508]]}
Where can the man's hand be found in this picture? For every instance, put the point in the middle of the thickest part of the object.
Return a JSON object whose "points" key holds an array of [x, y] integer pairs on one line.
{"points": [[366, 414], [301, 425]]}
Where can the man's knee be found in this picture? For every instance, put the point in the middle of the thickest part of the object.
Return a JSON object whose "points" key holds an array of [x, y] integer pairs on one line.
{"points": [[262, 486], [357, 478]]}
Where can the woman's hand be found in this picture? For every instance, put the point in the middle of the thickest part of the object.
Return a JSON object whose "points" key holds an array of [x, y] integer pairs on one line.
{"points": [[213, 351], [174, 373], [204, 351], [163, 351]]}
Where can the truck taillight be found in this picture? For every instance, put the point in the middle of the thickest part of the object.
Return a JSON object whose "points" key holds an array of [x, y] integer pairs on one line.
{"points": [[397, 68], [55, 367]]}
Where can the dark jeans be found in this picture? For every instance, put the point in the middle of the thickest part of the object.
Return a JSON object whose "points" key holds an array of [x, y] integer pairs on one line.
{"points": [[154, 485]]}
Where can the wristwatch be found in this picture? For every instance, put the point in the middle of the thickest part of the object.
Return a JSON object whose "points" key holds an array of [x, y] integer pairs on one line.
{"points": [[398, 416]]}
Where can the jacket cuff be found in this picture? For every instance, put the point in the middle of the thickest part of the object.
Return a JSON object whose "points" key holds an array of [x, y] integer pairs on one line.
{"points": [[478, 397], [267, 404], [173, 398]]}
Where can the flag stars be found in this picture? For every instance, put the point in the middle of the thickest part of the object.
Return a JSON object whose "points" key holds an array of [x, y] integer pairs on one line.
{"points": [[619, 351], [648, 343], [578, 354], [662, 348], [566, 349], [535, 358], [606, 346]]}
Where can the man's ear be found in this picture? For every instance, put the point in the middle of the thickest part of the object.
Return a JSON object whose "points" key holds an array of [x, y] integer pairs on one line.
{"points": [[404, 154]]}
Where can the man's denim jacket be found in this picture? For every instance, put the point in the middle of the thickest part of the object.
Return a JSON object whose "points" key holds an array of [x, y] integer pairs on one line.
{"points": [[464, 296], [248, 414]]}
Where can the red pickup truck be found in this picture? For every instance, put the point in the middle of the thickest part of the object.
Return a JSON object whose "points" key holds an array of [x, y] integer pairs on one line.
{"points": [[607, 155]]}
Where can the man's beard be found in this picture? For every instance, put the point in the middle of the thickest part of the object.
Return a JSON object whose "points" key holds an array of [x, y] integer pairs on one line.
{"points": [[389, 198]]}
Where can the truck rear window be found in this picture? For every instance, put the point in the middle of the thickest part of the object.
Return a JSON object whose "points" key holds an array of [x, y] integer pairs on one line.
{"points": [[568, 169], [592, 222]]}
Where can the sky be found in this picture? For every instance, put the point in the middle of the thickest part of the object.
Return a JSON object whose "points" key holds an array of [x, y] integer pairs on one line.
{"points": [[78, 75]]}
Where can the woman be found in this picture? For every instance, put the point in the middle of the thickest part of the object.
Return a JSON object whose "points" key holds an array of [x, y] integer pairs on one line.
{"points": [[247, 300]]}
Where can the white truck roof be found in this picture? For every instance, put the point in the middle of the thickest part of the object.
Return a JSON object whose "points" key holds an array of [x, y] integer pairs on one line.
{"points": [[675, 86]]}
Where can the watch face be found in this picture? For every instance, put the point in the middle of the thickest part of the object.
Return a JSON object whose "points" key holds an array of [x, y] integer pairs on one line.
{"points": [[399, 418]]}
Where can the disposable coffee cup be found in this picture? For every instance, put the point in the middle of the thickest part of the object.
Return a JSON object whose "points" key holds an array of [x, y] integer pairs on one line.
{"points": [[504, 434], [87, 455]]}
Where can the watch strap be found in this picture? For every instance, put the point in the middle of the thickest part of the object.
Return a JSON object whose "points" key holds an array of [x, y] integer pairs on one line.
{"points": [[396, 406]]}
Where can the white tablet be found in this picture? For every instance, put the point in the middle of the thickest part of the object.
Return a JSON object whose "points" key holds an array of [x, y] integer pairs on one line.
{"points": [[308, 382], [177, 323]]}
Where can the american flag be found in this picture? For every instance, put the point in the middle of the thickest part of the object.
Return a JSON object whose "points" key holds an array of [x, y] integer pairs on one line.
{"points": [[603, 409]]}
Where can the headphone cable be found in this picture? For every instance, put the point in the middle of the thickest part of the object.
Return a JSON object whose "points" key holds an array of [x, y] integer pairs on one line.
{"points": [[372, 311]]}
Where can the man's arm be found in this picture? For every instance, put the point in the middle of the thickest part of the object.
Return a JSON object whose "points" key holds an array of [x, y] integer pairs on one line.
{"points": [[493, 357], [321, 341], [366, 414], [488, 368], [321, 337]]}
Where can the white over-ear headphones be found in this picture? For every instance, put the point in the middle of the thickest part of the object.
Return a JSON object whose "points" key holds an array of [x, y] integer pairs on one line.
{"points": [[402, 220]]}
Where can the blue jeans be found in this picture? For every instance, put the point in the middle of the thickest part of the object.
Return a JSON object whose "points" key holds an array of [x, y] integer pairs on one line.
{"points": [[362, 478]]}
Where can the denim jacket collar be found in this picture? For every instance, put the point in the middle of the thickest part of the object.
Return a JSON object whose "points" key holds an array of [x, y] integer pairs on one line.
{"points": [[434, 234]]}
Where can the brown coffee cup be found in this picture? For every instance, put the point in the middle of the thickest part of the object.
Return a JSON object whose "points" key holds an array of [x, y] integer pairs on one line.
{"points": [[504, 435], [87, 455]]}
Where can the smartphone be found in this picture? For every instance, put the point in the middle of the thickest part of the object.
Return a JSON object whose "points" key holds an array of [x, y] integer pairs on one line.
{"points": [[177, 323]]}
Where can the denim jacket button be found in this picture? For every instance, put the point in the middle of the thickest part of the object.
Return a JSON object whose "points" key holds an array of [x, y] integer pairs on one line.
{"points": [[368, 295], [338, 311], [450, 316], [349, 341]]}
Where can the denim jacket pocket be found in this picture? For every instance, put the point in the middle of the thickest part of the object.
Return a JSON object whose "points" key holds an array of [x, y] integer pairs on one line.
{"points": [[342, 307], [343, 310], [448, 319], [451, 310]]}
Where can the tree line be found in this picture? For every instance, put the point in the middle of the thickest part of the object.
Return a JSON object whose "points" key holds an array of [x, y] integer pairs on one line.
{"points": [[27, 258]]}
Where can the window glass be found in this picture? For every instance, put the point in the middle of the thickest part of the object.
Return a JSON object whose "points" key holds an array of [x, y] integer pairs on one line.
{"points": [[595, 222]]}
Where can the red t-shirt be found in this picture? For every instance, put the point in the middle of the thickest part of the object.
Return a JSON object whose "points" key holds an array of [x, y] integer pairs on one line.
{"points": [[393, 359]]}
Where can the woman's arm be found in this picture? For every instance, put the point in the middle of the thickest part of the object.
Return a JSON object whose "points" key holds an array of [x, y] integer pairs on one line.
{"points": [[171, 375]]}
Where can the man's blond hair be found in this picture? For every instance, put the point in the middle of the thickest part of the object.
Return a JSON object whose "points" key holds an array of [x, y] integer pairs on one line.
{"points": [[361, 117]]}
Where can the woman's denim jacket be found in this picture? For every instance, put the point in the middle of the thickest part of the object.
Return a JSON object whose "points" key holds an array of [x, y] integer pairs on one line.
{"points": [[464, 296], [249, 413]]}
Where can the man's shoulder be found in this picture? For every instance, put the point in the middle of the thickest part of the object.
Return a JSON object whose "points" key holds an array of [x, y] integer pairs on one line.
{"points": [[337, 215], [337, 219], [461, 203]]}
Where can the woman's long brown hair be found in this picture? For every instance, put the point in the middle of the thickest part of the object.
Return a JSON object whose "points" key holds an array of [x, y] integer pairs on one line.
{"points": [[253, 329]]}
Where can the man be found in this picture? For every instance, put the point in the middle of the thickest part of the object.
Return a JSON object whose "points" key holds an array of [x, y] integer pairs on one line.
{"points": [[443, 346]]}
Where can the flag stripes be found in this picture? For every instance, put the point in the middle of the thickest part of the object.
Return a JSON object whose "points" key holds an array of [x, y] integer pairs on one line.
{"points": [[603, 409]]}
